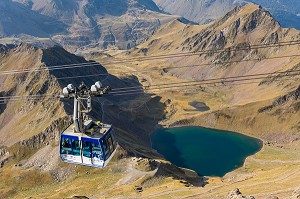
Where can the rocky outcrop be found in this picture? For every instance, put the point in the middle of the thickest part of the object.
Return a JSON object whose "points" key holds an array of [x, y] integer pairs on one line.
{"points": [[236, 194], [3, 151], [5, 161], [183, 122], [79, 197], [294, 95], [295, 194], [257, 18], [4, 156], [3, 49], [50, 134]]}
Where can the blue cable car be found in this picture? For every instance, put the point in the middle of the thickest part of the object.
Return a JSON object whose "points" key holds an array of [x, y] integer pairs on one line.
{"points": [[94, 148], [86, 142]]}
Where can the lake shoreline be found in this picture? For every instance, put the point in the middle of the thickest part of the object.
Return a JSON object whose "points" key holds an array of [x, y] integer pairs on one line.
{"points": [[209, 128], [255, 145]]}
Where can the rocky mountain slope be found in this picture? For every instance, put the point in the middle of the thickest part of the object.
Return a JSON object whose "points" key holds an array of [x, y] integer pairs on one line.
{"points": [[103, 24], [16, 112], [241, 28], [286, 12], [204, 11], [47, 85]]}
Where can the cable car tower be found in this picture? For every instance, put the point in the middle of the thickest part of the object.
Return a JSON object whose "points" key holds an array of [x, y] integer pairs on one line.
{"points": [[86, 142]]}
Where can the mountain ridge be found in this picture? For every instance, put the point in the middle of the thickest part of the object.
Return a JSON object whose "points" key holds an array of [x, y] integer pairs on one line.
{"points": [[241, 28], [284, 11]]}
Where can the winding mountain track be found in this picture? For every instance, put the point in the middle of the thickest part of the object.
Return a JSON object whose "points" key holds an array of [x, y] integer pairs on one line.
{"points": [[131, 177]]}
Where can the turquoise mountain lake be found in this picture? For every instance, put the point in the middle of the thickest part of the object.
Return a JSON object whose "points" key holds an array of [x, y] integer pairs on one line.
{"points": [[209, 152]]}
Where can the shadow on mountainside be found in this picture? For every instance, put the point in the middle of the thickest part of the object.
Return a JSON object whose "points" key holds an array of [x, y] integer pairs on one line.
{"points": [[134, 116]]}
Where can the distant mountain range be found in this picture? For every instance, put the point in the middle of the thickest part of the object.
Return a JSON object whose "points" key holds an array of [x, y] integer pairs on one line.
{"points": [[200, 11], [76, 23], [65, 8], [287, 12], [118, 24]]}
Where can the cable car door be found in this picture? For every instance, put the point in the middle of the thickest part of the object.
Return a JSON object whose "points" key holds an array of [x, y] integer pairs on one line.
{"points": [[66, 153], [70, 149], [86, 151], [97, 155]]}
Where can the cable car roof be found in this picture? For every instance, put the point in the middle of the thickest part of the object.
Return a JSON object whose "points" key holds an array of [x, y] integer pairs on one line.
{"points": [[92, 132]]}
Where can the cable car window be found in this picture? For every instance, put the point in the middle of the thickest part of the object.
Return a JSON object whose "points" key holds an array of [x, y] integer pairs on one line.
{"points": [[106, 149], [114, 142], [110, 144], [86, 149], [96, 151], [66, 146], [76, 147]]}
